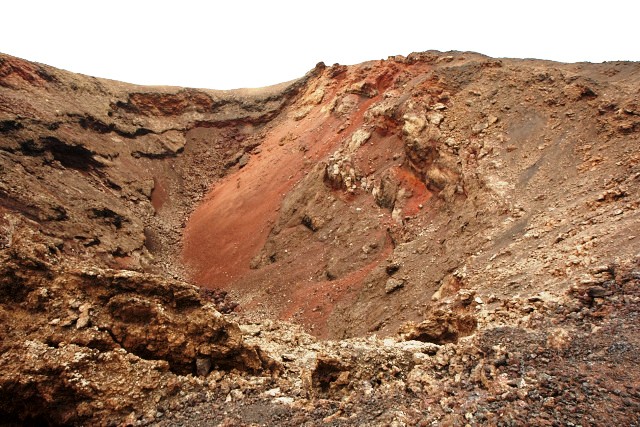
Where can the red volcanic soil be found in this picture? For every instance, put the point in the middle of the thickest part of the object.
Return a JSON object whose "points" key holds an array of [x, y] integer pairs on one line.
{"points": [[232, 224], [420, 194], [311, 303]]}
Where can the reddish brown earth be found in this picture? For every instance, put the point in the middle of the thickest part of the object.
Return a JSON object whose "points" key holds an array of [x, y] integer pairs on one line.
{"points": [[438, 239], [458, 160]]}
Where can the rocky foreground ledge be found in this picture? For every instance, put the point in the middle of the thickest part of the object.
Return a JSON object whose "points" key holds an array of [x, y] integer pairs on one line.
{"points": [[90, 346], [85, 344]]}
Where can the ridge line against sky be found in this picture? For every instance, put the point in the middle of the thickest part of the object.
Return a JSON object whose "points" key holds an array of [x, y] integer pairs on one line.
{"points": [[225, 45]]}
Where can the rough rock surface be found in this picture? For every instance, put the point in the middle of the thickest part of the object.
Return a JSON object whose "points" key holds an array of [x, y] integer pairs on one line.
{"points": [[543, 360], [85, 344], [462, 229], [464, 172]]}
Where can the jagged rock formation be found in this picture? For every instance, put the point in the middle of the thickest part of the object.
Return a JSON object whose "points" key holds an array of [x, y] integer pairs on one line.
{"points": [[461, 171], [465, 225], [84, 344]]}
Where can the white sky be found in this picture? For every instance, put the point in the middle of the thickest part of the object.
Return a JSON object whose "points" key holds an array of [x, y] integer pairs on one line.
{"points": [[241, 43]]}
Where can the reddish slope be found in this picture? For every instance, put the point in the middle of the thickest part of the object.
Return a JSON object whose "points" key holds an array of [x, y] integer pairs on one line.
{"points": [[233, 223], [342, 189]]}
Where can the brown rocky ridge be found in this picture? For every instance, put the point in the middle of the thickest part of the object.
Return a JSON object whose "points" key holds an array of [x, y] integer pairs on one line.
{"points": [[437, 239]]}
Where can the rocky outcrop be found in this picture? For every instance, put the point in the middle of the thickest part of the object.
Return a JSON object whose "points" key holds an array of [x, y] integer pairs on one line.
{"points": [[531, 361], [81, 344], [449, 168], [445, 323]]}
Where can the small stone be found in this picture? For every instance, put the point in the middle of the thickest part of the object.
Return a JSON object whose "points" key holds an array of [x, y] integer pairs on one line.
{"points": [[84, 318], [244, 159], [203, 366], [603, 268], [598, 292], [83, 321], [252, 330], [479, 127], [466, 296], [393, 285], [452, 143], [273, 392], [343, 379], [285, 400], [69, 321], [392, 268], [435, 118]]}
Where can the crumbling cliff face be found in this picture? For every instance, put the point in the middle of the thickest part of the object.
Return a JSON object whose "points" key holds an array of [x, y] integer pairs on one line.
{"points": [[93, 192], [462, 229], [391, 184], [113, 170]]}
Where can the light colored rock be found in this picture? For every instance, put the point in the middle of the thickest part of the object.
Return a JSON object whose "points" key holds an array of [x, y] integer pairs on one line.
{"points": [[393, 285], [315, 97], [413, 125], [435, 118], [358, 138]]}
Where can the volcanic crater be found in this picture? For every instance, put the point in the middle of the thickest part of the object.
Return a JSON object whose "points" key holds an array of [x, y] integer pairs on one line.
{"points": [[441, 238]]}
